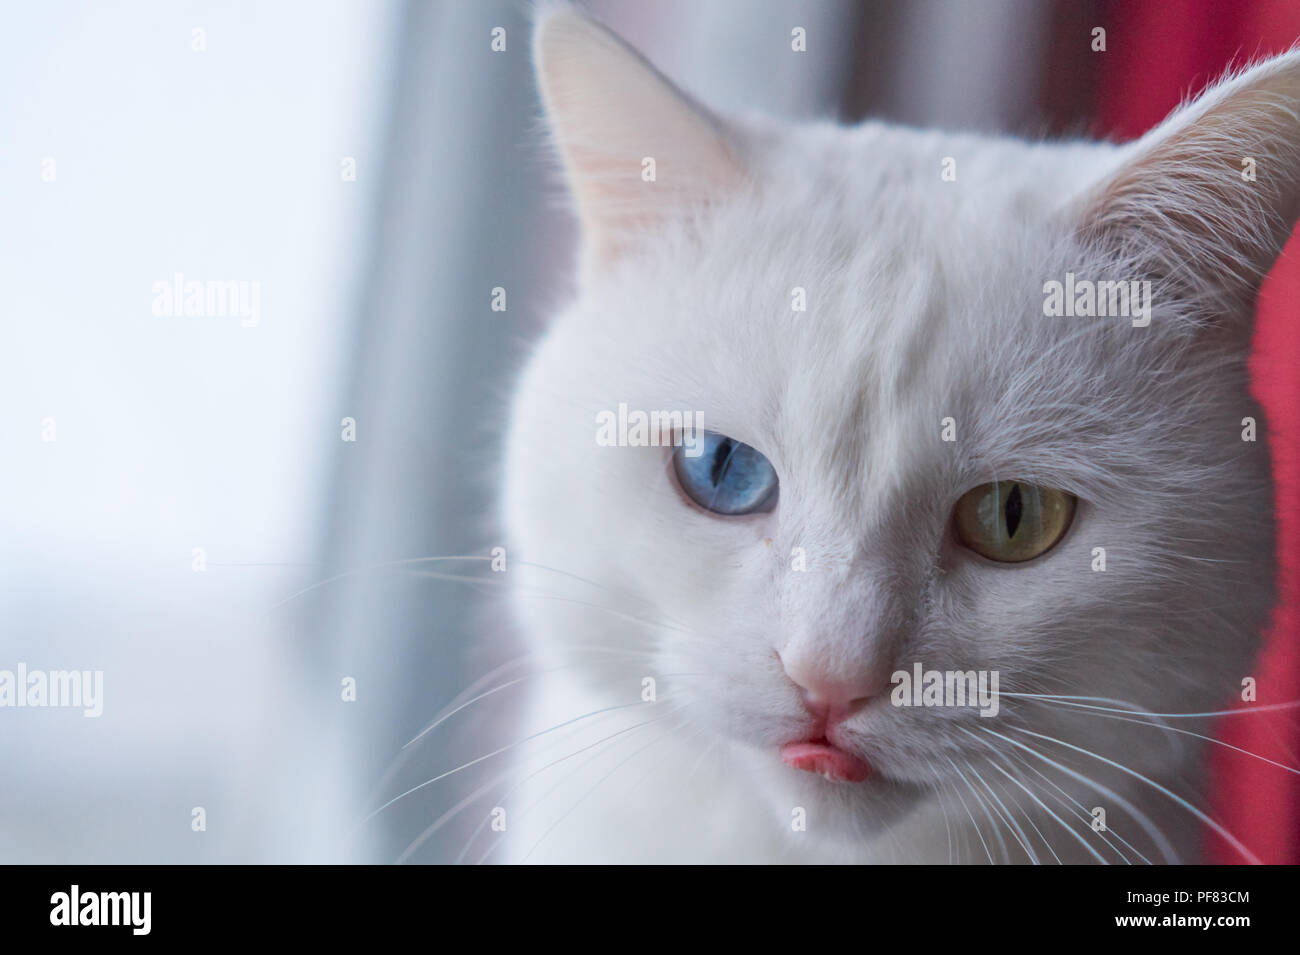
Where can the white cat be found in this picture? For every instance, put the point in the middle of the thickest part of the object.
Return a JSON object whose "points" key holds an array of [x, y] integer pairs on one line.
{"points": [[920, 467]]}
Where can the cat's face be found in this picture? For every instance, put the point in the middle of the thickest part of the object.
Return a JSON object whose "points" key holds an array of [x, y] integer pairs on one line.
{"points": [[921, 368]]}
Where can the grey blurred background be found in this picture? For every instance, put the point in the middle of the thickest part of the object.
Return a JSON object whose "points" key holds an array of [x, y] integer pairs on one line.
{"points": [[213, 140]]}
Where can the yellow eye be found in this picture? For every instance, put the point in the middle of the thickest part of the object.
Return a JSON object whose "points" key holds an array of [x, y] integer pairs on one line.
{"points": [[1011, 521]]}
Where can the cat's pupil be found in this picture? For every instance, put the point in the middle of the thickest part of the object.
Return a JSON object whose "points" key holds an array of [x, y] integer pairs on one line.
{"points": [[1014, 510], [721, 455], [726, 476]]}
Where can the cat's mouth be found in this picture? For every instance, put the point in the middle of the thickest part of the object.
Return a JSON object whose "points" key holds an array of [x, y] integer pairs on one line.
{"points": [[823, 757]]}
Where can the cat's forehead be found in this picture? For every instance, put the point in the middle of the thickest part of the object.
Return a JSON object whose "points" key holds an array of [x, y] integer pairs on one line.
{"points": [[836, 326], [839, 364], [785, 296]]}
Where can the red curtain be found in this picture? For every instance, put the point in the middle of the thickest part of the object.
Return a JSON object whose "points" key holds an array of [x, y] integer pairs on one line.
{"points": [[1158, 52]]}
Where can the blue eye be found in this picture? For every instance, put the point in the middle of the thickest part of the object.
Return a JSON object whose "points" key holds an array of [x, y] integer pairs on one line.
{"points": [[726, 477]]}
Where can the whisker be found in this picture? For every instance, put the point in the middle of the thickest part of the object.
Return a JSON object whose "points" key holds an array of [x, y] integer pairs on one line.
{"points": [[617, 613], [443, 717], [1201, 736], [1066, 800], [584, 796], [1029, 816], [524, 813], [470, 702], [504, 798], [939, 784], [445, 817], [371, 569], [1151, 829], [496, 752], [495, 580], [1066, 701], [1179, 800], [969, 814], [458, 702], [1064, 825], [1016, 831]]}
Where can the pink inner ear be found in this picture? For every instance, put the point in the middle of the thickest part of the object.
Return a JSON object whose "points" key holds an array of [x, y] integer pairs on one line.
{"points": [[1182, 204], [634, 146]]}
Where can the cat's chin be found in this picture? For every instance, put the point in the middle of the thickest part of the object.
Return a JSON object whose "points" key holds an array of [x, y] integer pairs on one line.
{"points": [[836, 808]]}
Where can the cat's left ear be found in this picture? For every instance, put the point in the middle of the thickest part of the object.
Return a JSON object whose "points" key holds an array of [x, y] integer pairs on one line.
{"points": [[636, 150], [1210, 197]]}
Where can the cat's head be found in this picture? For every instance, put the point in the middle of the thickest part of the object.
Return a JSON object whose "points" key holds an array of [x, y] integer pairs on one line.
{"points": [[910, 460]]}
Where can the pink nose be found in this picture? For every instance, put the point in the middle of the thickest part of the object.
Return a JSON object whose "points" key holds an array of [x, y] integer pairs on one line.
{"points": [[827, 697], [832, 702]]}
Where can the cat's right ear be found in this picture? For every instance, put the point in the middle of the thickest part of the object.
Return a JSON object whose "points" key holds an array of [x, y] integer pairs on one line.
{"points": [[636, 150], [1209, 198]]}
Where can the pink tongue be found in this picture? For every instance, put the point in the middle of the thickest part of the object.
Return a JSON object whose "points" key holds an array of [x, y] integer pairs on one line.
{"points": [[829, 761]]}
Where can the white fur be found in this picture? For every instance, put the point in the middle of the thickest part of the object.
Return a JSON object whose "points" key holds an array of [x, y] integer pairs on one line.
{"points": [[925, 302]]}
